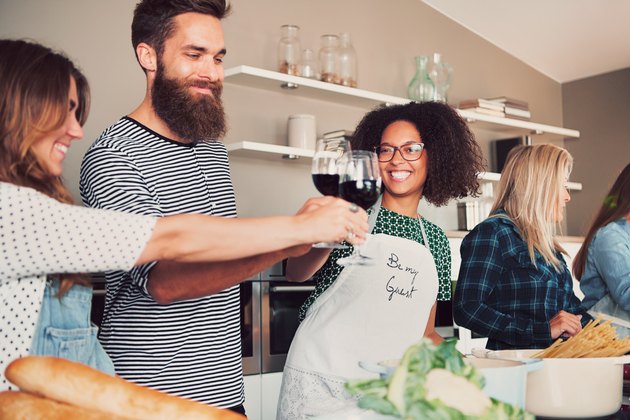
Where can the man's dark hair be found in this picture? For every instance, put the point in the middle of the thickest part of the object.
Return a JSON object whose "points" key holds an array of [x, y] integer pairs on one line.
{"points": [[454, 157], [153, 19]]}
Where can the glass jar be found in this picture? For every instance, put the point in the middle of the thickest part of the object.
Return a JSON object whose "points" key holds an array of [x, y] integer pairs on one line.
{"points": [[441, 74], [309, 64], [347, 62], [420, 88], [289, 50], [328, 54]]}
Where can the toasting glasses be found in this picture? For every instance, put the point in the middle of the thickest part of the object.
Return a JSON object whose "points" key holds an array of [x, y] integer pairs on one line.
{"points": [[359, 183]]}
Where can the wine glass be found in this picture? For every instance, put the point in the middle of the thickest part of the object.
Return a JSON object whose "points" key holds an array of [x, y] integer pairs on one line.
{"points": [[359, 183], [325, 171]]}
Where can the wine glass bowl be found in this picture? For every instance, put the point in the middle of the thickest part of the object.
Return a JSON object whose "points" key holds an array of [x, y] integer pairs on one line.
{"points": [[325, 167], [363, 193], [359, 183]]}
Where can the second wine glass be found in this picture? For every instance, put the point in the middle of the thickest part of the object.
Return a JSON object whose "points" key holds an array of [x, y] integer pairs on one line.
{"points": [[359, 183], [325, 171]]}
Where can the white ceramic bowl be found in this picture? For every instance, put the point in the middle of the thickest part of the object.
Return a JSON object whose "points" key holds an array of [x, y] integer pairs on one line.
{"points": [[571, 387]]}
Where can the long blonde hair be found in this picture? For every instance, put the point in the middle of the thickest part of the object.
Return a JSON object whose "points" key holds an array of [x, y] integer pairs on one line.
{"points": [[34, 86], [530, 193]]}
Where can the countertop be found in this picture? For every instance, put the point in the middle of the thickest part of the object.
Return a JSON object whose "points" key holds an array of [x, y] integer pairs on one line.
{"points": [[462, 233]]}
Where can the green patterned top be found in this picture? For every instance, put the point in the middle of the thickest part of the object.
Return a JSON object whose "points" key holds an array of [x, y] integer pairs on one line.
{"points": [[393, 224]]}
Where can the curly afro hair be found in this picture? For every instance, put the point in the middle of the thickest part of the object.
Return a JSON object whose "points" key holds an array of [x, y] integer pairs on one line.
{"points": [[454, 157]]}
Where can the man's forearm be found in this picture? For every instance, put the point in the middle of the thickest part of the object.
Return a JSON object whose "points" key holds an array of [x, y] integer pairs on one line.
{"points": [[170, 282]]}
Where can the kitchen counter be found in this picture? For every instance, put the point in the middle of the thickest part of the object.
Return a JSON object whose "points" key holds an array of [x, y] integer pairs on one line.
{"points": [[561, 239], [619, 415]]}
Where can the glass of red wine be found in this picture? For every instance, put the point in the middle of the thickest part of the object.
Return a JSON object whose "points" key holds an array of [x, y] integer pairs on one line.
{"points": [[359, 183], [325, 171]]}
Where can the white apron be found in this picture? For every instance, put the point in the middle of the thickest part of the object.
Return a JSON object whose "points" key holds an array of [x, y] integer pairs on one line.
{"points": [[370, 313]]}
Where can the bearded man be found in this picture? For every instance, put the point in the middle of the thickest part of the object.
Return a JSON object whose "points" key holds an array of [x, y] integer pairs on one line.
{"points": [[174, 327]]}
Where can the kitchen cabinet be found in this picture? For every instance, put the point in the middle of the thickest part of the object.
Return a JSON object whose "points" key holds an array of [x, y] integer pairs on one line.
{"points": [[261, 395], [273, 81], [253, 397]]}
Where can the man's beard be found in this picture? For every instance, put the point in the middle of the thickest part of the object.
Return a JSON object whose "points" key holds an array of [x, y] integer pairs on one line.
{"points": [[200, 118]]}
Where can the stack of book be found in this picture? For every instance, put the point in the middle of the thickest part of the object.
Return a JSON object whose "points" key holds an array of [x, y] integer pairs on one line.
{"points": [[513, 108], [500, 107], [483, 106], [338, 134]]}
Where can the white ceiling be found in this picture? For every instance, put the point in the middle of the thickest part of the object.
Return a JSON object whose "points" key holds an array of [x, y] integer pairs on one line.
{"points": [[563, 39]]}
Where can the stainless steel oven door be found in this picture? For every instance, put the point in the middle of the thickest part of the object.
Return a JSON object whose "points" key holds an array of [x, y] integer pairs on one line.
{"points": [[98, 299], [250, 327], [280, 302]]}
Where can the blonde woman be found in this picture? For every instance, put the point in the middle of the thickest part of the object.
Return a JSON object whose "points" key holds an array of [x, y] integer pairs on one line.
{"points": [[514, 285]]}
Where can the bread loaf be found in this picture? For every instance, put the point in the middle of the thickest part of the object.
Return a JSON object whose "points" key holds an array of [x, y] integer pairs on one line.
{"points": [[80, 385], [23, 406]]}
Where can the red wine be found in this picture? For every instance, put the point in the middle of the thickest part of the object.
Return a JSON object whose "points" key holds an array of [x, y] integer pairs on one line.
{"points": [[363, 193], [327, 184]]}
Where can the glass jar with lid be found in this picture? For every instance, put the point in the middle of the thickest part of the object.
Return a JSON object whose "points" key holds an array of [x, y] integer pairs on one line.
{"points": [[328, 55], [347, 62], [289, 50]]}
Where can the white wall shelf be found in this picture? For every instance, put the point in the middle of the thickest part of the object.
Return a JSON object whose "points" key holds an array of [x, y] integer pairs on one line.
{"points": [[315, 89], [493, 176], [267, 151], [308, 88], [274, 152], [512, 127]]}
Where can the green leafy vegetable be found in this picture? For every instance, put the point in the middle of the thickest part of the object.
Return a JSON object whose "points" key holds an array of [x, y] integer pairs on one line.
{"points": [[403, 394]]}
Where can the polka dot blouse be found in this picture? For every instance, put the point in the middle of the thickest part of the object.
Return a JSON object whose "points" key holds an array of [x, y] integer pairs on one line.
{"points": [[40, 236], [394, 224]]}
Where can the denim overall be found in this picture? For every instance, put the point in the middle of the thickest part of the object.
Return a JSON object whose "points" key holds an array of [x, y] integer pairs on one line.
{"points": [[64, 328]]}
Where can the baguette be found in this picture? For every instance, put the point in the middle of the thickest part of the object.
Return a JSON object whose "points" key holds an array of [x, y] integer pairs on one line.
{"points": [[80, 385], [23, 406]]}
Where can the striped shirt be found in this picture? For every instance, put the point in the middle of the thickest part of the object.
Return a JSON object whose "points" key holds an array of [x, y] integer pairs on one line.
{"points": [[189, 348]]}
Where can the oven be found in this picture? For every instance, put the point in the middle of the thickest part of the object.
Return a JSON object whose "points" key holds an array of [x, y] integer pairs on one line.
{"points": [[250, 326], [98, 298], [269, 318], [269, 308]]}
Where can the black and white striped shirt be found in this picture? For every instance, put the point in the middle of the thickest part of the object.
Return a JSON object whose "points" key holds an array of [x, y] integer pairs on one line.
{"points": [[190, 348]]}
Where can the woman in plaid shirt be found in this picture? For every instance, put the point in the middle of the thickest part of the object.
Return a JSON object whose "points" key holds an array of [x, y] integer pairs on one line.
{"points": [[514, 285]]}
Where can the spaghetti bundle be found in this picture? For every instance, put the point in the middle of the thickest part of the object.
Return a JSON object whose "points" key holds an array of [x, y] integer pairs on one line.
{"points": [[595, 340]]}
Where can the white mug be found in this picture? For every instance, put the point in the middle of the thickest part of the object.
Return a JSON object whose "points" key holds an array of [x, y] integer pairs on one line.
{"points": [[301, 131]]}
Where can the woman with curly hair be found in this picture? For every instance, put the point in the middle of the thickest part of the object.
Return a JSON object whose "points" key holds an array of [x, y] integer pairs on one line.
{"points": [[602, 265], [374, 312], [514, 286]]}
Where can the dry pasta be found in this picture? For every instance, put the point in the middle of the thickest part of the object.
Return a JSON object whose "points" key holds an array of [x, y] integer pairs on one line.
{"points": [[595, 340]]}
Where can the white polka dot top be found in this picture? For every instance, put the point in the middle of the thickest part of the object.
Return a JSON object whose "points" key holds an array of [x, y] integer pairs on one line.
{"points": [[39, 236]]}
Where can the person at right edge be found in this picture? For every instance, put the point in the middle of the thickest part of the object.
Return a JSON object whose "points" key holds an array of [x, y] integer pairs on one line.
{"points": [[514, 286], [602, 265]]}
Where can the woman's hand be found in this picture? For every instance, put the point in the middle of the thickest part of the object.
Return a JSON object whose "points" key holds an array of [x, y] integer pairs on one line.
{"points": [[330, 219], [565, 324]]}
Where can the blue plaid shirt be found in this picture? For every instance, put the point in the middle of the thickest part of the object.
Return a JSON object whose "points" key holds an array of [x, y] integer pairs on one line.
{"points": [[501, 295]]}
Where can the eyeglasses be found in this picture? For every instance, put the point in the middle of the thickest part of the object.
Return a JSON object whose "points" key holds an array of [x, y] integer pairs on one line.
{"points": [[409, 152]]}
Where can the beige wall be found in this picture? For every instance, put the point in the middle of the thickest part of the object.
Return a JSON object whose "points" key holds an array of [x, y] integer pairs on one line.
{"points": [[600, 108], [386, 36]]}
